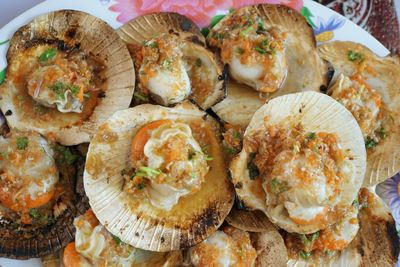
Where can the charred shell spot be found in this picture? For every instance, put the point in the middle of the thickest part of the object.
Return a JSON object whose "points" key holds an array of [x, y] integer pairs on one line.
{"points": [[208, 219], [8, 113]]}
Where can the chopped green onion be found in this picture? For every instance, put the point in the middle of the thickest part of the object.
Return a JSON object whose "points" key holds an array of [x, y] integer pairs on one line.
{"points": [[117, 240], [147, 172], [355, 56], [22, 143], [48, 55], [166, 64], [382, 132], [254, 172], [230, 150], [151, 44], [34, 213], [209, 158], [198, 62], [311, 136], [141, 185], [278, 186], [305, 254], [65, 155], [239, 50], [370, 143], [140, 97], [237, 135]]}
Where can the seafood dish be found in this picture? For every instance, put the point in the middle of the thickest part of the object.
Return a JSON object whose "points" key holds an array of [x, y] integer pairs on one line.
{"points": [[163, 144]]}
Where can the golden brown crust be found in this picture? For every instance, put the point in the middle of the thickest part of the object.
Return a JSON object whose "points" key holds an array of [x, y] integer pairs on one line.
{"points": [[136, 221], [68, 29]]}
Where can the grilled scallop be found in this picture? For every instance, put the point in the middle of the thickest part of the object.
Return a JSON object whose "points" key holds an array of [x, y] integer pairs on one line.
{"points": [[38, 197], [156, 178], [302, 162], [95, 246], [67, 72], [367, 85], [172, 61], [375, 243], [270, 51]]}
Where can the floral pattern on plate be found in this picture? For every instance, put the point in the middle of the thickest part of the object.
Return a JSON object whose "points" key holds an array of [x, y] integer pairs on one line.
{"points": [[201, 12]]}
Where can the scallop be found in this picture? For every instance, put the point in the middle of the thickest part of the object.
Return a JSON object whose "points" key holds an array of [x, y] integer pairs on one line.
{"points": [[277, 187], [172, 61], [155, 176], [72, 72], [373, 245], [367, 85], [270, 50], [94, 246], [37, 200]]}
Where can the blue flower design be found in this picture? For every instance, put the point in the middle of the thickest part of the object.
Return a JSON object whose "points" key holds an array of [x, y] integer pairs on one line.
{"points": [[333, 23], [105, 2]]}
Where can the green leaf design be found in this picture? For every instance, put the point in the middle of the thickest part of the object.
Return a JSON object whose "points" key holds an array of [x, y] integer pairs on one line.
{"points": [[305, 12], [2, 76], [4, 42], [214, 21]]}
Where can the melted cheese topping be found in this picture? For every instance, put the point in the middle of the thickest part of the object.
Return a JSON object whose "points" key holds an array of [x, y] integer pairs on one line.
{"points": [[231, 247], [162, 70], [364, 102], [28, 171], [255, 54], [61, 81], [172, 149], [303, 172]]}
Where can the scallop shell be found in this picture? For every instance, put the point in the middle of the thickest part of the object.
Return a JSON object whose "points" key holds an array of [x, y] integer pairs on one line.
{"points": [[306, 70], [317, 112], [146, 27], [384, 160], [250, 221], [270, 247], [32, 242], [376, 244], [142, 225], [92, 35]]}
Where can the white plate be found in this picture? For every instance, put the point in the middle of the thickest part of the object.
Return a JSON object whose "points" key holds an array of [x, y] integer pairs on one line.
{"points": [[327, 25]]}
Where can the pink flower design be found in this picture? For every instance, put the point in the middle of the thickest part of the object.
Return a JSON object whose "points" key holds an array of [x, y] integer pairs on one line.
{"points": [[295, 4], [200, 11]]}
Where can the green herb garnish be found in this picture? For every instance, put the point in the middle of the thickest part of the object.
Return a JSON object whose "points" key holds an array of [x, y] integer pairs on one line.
{"points": [[254, 172], [59, 88], [48, 55], [382, 132], [34, 213], [140, 97], [151, 44], [264, 48], [147, 172], [230, 150], [22, 143], [355, 56], [166, 64], [117, 240], [141, 185], [209, 158], [305, 254], [198, 62], [311, 136], [278, 186], [239, 50], [370, 143], [65, 155]]}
